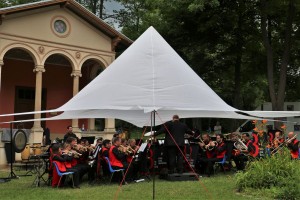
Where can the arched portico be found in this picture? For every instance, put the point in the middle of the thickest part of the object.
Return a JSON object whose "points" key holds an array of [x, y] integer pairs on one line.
{"points": [[23, 46], [33, 28], [91, 66]]}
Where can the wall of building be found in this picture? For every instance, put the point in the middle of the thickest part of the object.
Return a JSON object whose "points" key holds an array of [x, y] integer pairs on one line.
{"points": [[14, 73]]}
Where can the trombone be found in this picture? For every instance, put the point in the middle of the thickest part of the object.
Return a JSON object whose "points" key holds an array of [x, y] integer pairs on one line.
{"points": [[282, 144]]}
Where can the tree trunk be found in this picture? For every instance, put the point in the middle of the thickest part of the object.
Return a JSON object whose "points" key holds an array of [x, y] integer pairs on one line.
{"points": [[277, 100], [270, 60], [237, 67], [285, 55], [101, 8]]}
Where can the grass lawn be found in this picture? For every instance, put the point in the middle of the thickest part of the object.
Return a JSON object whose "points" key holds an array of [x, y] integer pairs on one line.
{"points": [[219, 187]]}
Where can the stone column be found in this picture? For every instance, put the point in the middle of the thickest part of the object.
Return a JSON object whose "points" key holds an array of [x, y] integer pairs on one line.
{"points": [[110, 125], [92, 124], [36, 135], [76, 74], [1, 64]]}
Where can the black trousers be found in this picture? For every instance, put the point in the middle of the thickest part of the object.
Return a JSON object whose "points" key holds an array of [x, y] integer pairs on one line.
{"points": [[174, 158], [85, 168], [240, 161], [210, 164], [128, 175], [75, 176]]}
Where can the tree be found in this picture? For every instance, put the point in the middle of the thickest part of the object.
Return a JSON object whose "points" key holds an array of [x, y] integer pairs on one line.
{"points": [[277, 40]]}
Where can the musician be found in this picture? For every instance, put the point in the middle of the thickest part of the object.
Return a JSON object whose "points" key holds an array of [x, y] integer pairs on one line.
{"points": [[174, 130], [81, 162], [221, 148], [293, 145], [69, 134], [278, 139], [208, 155], [97, 149], [207, 146], [99, 141], [249, 144], [117, 157], [242, 156], [64, 163], [106, 145], [133, 148]]}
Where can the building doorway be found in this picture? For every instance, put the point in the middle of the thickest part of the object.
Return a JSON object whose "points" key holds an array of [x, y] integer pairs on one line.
{"points": [[24, 102]]}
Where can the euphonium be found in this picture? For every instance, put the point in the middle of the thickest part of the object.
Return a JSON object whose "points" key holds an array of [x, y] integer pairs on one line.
{"points": [[239, 145]]}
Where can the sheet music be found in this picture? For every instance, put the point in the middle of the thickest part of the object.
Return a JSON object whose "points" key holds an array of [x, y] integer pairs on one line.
{"points": [[142, 147]]}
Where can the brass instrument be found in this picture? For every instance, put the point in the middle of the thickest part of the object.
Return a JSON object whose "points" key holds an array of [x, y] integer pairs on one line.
{"points": [[276, 142], [126, 149], [201, 141], [284, 143], [80, 148], [209, 147], [228, 136], [75, 154], [240, 145], [130, 150]]}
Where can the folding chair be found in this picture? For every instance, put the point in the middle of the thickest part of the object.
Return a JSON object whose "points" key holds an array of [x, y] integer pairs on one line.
{"points": [[61, 174], [112, 171], [220, 163]]}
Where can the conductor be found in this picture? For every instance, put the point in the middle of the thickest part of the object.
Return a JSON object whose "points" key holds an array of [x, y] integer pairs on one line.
{"points": [[177, 130]]}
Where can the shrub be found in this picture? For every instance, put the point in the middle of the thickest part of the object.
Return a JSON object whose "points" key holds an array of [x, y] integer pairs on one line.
{"points": [[278, 171]]}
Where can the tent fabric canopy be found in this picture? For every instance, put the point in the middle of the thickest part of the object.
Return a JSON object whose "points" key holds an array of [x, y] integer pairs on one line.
{"points": [[151, 76]]}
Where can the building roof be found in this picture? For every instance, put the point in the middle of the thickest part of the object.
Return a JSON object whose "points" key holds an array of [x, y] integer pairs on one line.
{"points": [[76, 8]]}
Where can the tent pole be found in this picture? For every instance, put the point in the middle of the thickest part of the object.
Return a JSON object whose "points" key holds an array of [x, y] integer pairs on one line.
{"points": [[154, 158]]}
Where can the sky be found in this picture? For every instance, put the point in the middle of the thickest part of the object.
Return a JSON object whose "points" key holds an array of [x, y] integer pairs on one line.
{"points": [[111, 5]]}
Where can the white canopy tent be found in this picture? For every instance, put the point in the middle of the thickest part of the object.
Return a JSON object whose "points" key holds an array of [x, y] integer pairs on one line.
{"points": [[151, 76]]}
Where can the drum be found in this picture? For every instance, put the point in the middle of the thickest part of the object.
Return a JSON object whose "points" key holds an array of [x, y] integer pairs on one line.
{"points": [[37, 149], [26, 152]]}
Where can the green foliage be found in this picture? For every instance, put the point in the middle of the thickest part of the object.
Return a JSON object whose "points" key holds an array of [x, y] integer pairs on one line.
{"points": [[278, 173], [218, 187]]}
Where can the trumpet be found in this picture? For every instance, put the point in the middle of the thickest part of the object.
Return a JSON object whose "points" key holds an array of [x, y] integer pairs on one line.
{"points": [[126, 149], [75, 154]]}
